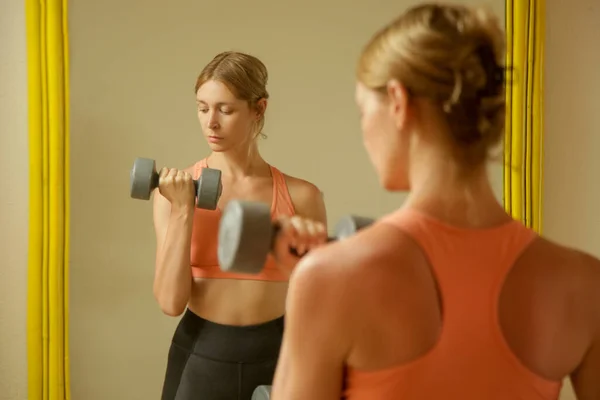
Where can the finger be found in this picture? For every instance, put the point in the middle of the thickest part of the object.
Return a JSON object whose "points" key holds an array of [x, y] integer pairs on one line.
{"points": [[303, 235], [173, 172], [163, 172], [162, 175], [166, 178], [310, 231], [317, 233], [321, 232], [188, 181], [180, 176], [178, 179], [287, 232]]}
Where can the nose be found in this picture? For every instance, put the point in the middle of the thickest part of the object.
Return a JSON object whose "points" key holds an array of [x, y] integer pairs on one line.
{"points": [[213, 122]]}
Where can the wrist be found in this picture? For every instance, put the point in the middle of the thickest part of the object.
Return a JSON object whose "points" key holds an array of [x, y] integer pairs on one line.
{"points": [[182, 211]]}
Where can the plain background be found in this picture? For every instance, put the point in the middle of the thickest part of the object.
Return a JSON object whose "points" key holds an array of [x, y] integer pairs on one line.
{"points": [[133, 68]]}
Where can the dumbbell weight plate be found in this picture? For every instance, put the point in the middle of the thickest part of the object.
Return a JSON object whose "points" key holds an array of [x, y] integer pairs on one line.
{"points": [[262, 393], [349, 225], [143, 178], [208, 189], [245, 236]]}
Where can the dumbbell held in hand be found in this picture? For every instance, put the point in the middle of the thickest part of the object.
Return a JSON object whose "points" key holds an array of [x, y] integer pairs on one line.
{"points": [[262, 392], [247, 235], [144, 179]]}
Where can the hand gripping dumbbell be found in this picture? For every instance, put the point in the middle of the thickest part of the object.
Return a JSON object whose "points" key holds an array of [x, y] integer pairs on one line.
{"points": [[144, 179], [262, 392], [247, 234]]}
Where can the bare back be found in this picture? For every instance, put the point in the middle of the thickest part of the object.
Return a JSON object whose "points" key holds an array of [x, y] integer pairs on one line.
{"points": [[415, 308], [548, 310], [550, 314]]}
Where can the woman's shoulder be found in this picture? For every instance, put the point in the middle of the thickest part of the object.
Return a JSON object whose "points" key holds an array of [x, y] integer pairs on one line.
{"points": [[373, 253], [302, 188], [564, 264], [306, 197]]}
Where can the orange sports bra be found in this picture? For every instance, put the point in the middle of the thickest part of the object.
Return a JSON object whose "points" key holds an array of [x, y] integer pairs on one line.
{"points": [[203, 257], [471, 360]]}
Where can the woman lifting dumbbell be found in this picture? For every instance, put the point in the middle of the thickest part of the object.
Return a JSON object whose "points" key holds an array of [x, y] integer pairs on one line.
{"points": [[228, 340], [448, 297]]}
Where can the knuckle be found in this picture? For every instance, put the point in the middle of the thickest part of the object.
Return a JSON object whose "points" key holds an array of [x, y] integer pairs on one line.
{"points": [[296, 221]]}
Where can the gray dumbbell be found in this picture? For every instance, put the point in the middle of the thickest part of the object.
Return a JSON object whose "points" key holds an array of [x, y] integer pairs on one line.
{"points": [[247, 234], [144, 179], [262, 393]]}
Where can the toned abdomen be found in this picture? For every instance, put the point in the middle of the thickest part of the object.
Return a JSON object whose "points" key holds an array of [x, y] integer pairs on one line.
{"points": [[238, 302]]}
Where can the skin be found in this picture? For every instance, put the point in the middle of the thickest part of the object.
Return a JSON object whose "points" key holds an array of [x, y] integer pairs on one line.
{"points": [[339, 311], [245, 175]]}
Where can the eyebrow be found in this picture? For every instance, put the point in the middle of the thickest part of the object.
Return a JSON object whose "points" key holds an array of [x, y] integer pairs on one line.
{"points": [[221, 103]]}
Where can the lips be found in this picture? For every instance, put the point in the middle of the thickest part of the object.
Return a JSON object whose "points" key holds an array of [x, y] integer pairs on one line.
{"points": [[214, 139]]}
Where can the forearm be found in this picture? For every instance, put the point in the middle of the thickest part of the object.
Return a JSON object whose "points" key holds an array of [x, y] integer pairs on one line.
{"points": [[173, 278]]}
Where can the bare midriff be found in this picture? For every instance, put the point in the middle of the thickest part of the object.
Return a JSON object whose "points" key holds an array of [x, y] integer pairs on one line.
{"points": [[238, 302]]}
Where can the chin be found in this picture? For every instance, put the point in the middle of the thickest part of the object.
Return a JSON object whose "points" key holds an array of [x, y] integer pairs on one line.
{"points": [[216, 147], [394, 186], [393, 175], [392, 183]]}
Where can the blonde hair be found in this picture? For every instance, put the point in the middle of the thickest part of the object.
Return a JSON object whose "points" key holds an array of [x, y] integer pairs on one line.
{"points": [[245, 75], [452, 55]]}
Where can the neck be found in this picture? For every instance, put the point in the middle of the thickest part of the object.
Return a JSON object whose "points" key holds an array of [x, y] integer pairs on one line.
{"points": [[452, 192], [238, 163]]}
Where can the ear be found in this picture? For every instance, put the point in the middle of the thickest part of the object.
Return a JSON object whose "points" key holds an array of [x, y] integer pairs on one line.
{"points": [[398, 101], [261, 108]]}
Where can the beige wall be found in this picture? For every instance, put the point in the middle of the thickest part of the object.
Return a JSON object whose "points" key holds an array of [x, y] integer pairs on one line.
{"points": [[14, 181], [133, 70], [133, 73]]}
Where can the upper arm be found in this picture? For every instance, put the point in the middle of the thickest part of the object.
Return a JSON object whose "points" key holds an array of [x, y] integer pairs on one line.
{"points": [[585, 378], [307, 199], [316, 339]]}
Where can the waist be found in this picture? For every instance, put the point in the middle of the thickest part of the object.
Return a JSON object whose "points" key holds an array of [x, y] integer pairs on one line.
{"points": [[229, 343], [238, 302], [269, 273]]}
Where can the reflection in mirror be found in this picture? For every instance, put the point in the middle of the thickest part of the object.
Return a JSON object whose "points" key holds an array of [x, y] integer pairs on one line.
{"points": [[256, 104]]}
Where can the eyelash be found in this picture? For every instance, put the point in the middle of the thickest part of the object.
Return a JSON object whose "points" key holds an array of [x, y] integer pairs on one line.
{"points": [[205, 110]]}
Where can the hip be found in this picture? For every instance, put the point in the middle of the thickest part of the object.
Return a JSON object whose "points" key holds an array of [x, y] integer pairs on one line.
{"points": [[246, 344]]}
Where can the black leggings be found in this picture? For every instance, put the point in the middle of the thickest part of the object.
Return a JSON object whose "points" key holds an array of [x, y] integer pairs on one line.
{"points": [[210, 361]]}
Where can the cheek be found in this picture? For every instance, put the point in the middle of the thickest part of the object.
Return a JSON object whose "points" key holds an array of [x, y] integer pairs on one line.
{"points": [[236, 123], [383, 144], [376, 133], [369, 128], [204, 119]]}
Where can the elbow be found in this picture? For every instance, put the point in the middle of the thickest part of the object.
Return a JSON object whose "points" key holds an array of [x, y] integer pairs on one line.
{"points": [[170, 305], [172, 311]]}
